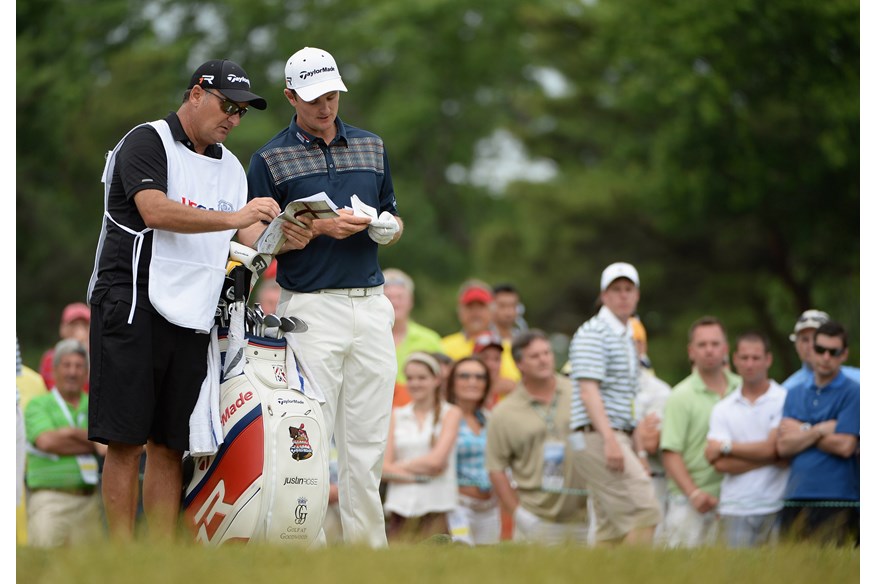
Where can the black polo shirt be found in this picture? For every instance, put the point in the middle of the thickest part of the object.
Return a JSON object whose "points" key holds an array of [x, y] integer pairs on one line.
{"points": [[141, 163]]}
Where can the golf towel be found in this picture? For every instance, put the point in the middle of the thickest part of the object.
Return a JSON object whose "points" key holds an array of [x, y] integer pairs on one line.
{"points": [[205, 428], [298, 373]]}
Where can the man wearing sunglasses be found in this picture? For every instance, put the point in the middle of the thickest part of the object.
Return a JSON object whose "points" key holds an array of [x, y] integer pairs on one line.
{"points": [[819, 433], [174, 198], [804, 330], [335, 281]]}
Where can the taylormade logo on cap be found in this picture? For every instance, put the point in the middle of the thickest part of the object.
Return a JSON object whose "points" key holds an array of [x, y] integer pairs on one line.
{"points": [[306, 74], [312, 72], [229, 78], [237, 79]]}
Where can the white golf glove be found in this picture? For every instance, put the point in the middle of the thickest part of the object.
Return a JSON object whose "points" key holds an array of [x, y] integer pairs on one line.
{"points": [[384, 228]]}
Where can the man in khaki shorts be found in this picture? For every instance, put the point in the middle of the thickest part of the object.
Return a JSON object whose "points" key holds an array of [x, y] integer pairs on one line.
{"points": [[605, 367]]}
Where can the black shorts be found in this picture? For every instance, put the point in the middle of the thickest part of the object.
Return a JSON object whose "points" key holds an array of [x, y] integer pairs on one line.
{"points": [[145, 376]]}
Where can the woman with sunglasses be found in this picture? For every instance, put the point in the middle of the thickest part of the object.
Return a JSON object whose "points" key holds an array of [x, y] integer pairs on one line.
{"points": [[476, 519], [420, 462]]}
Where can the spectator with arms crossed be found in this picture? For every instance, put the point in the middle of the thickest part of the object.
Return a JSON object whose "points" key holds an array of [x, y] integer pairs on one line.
{"points": [[61, 464], [420, 461], [742, 444], [804, 331], [819, 433], [694, 484]]}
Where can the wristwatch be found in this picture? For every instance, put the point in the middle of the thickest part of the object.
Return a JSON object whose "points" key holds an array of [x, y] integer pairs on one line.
{"points": [[726, 447], [805, 427]]}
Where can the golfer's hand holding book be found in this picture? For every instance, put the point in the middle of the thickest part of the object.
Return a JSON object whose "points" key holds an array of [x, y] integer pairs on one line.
{"points": [[318, 206]]}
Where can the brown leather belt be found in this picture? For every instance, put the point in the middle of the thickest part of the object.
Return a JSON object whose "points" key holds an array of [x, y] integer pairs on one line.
{"points": [[80, 491], [590, 428]]}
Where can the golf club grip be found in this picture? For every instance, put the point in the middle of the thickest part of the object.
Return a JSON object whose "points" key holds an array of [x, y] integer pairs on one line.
{"points": [[239, 283]]}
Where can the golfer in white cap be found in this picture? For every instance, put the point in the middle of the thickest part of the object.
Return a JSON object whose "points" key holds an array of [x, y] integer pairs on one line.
{"points": [[329, 275]]}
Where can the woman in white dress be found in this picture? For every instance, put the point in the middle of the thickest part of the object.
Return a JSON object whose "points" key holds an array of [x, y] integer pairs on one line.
{"points": [[420, 462]]}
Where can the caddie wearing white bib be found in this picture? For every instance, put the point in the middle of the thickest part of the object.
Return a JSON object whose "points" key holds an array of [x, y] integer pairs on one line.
{"points": [[174, 198]]}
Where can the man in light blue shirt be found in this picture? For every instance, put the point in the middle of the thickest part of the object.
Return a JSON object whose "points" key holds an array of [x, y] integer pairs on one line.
{"points": [[804, 331]]}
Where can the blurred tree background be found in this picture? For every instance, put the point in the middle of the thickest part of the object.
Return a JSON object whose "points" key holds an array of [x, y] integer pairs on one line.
{"points": [[713, 145]]}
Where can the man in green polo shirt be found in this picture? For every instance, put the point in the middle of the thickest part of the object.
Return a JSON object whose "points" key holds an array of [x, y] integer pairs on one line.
{"points": [[694, 484], [63, 506]]}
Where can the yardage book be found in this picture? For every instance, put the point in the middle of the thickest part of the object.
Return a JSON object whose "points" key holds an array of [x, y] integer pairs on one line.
{"points": [[317, 206]]}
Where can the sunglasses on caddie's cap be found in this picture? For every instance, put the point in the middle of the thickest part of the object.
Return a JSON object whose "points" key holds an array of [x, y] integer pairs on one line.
{"points": [[228, 78]]}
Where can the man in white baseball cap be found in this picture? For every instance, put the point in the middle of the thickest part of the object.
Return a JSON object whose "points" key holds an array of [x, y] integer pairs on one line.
{"points": [[329, 273], [618, 270], [605, 372], [313, 72], [804, 332]]}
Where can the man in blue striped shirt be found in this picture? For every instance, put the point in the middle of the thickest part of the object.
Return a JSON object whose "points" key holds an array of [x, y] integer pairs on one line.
{"points": [[605, 366]]}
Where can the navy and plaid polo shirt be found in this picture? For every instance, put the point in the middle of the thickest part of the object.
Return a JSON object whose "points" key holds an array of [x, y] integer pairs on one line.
{"points": [[295, 164]]}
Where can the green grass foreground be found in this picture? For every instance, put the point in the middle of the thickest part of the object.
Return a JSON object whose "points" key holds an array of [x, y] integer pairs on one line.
{"points": [[427, 563]]}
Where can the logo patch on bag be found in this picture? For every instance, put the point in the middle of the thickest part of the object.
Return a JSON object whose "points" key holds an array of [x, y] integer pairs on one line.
{"points": [[279, 374], [301, 511], [300, 449]]}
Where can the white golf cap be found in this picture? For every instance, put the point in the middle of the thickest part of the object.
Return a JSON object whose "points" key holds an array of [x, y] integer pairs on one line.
{"points": [[809, 319], [313, 72], [618, 270]]}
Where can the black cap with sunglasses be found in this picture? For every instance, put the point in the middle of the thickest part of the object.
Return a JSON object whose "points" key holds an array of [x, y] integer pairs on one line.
{"points": [[230, 79]]}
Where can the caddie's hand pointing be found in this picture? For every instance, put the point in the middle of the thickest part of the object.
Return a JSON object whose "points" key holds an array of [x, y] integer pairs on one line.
{"points": [[259, 209]]}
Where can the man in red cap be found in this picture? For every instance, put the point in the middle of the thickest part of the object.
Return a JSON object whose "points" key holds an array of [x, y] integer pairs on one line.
{"points": [[475, 312], [75, 319]]}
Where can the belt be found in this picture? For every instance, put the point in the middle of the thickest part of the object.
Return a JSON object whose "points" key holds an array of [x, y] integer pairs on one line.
{"points": [[590, 428], [80, 491], [352, 291]]}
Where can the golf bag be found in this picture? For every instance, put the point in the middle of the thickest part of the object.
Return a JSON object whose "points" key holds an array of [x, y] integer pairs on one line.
{"points": [[269, 479]]}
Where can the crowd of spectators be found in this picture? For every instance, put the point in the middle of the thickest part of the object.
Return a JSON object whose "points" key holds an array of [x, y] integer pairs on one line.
{"points": [[491, 441]]}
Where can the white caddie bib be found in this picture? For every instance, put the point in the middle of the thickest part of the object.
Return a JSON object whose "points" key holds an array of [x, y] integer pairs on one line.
{"points": [[187, 269]]}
